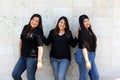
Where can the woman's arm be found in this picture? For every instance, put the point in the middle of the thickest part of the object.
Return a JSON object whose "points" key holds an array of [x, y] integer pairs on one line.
{"points": [[76, 39], [85, 54], [40, 54], [49, 38], [72, 42], [20, 46]]}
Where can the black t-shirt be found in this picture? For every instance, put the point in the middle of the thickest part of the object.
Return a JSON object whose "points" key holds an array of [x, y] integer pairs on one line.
{"points": [[81, 43], [30, 43], [60, 45]]}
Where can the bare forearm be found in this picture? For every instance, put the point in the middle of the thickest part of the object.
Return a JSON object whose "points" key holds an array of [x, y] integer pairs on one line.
{"points": [[85, 54], [20, 46], [40, 54]]}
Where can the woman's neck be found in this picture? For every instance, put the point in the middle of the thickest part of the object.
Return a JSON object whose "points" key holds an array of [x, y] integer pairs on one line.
{"points": [[32, 28], [61, 32]]}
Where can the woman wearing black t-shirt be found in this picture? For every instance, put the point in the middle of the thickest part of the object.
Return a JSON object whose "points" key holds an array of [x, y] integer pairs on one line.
{"points": [[60, 39], [85, 54], [31, 49]]}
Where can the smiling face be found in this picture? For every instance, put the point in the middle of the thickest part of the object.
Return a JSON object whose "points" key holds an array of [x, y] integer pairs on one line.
{"points": [[86, 23], [61, 24], [34, 22]]}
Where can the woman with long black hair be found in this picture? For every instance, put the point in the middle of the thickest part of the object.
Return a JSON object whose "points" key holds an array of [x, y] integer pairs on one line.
{"points": [[85, 54], [31, 49]]}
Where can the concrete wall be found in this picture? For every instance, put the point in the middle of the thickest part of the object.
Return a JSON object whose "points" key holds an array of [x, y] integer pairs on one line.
{"points": [[104, 16]]}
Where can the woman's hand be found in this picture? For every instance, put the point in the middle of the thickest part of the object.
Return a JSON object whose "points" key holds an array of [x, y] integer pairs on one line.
{"points": [[88, 65], [40, 53], [39, 65], [77, 33]]}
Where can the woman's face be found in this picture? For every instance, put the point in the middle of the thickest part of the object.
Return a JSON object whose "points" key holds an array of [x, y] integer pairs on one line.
{"points": [[61, 24], [86, 23], [34, 22]]}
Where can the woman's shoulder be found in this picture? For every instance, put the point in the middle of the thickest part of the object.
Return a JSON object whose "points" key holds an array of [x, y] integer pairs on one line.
{"points": [[80, 33], [69, 31], [25, 26], [37, 31], [52, 31]]}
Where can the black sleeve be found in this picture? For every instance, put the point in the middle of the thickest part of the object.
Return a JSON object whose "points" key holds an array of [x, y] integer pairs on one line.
{"points": [[80, 40], [72, 41], [49, 38], [38, 37], [24, 28], [38, 40], [76, 41], [83, 41]]}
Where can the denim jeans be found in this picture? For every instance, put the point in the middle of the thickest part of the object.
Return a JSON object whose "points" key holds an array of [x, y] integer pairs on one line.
{"points": [[25, 63], [93, 73], [60, 67]]}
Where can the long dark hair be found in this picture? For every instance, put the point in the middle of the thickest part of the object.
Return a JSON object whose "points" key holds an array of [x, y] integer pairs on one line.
{"points": [[29, 29], [67, 31], [85, 34]]}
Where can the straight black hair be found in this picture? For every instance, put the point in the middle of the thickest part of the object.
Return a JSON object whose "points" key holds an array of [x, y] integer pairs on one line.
{"points": [[85, 34]]}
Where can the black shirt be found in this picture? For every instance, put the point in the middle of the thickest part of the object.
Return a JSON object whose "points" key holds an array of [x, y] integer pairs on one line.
{"points": [[81, 43], [60, 48], [30, 43]]}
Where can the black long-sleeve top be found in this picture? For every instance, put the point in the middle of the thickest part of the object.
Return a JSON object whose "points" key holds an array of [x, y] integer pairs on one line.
{"points": [[30, 43], [60, 45]]}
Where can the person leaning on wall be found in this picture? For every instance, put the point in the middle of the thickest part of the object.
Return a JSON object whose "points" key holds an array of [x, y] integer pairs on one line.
{"points": [[85, 55], [31, 49], [60, 39]]}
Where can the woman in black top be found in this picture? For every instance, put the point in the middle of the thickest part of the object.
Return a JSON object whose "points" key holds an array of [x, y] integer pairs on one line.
{"points": [[85, 55], [60, 39], [31, 49]]}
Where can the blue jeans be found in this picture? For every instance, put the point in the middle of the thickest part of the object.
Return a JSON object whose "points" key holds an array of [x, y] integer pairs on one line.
{"points": [[93, 73], [60, 67], [25, 63]]}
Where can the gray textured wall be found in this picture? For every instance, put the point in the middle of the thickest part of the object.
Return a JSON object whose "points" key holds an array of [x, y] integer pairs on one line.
{"points": [[104, 16]]}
